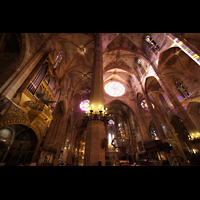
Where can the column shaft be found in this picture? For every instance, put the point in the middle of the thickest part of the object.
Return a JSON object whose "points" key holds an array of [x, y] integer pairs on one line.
{"points": [[95, 128], [156, 121], [177, 105]]}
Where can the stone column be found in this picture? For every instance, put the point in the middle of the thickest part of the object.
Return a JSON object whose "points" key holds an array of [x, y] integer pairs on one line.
{"points": [[96, 95], [54, 126], [157, 124], [156, 121], [95, 128], [177, 105], [59, 138], [144, 130]]}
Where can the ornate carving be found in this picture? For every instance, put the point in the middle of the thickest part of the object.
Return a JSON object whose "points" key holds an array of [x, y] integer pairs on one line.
{"points": [[39, 129], [34, 105], [4, 104], [15, 116]]}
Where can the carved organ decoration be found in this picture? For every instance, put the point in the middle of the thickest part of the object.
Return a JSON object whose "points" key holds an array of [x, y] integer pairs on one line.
{"points": [[45, 86], [35, 101], [35, 82]]}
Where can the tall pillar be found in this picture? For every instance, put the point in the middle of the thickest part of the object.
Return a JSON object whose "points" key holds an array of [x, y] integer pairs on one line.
{"points": [[96, 95], [177, 105], [156, 121], [95, 128], [54, 126], [144, 130]]}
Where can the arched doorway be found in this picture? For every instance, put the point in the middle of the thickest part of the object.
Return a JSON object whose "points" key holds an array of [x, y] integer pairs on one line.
{"points": [[22, 148], [122, 133]]}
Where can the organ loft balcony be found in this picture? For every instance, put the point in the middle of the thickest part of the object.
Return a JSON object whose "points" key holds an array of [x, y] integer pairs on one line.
{"points": [[39, 105]]}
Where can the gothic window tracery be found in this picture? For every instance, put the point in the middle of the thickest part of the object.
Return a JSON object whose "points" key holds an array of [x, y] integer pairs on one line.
{"points": [[58, 59], [154, 46], [145, 106], [180, 87], [111, 122], [114, 89], [84, 105], [153, 132]]}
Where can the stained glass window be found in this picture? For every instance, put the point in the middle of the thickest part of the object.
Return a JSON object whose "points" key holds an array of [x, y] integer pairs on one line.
{"points": [[111, 122], [181, 88], [114, 89], [58, 59], [119, 124], [84, 105], [153, 44], [110, 138], [153, 132], [145, 106], [164, 128]]}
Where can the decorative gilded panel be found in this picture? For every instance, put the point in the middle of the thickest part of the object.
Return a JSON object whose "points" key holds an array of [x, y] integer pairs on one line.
{"points": [[39, 129], [15, 116]]}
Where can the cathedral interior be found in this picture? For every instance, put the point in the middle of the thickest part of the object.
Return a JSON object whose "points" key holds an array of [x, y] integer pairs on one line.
{"points": [[99, 99]]}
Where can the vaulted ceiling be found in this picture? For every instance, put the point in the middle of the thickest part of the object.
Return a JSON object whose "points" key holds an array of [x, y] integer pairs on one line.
{"points": [[120, 53]]}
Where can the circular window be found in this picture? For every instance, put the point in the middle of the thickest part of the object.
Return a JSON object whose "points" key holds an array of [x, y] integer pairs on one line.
{"points": [[114, 89], [84, 105]]}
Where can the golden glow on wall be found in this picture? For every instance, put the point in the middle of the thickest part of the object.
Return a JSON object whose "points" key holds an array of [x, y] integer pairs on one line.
{"points": [[114, 89]]}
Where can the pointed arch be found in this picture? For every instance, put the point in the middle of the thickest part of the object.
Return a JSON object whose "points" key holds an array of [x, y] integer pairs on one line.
{"points": [[119, 65]]}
